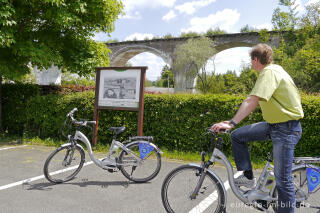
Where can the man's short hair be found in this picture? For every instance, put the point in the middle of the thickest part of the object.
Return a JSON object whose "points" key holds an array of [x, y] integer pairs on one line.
{"points": [[262, 52]]}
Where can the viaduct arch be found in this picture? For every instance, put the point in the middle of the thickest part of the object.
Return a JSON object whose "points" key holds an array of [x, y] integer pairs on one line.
{"points": [[164, 48]]}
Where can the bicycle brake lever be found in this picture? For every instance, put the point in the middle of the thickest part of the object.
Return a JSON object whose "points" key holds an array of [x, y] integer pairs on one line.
{"points": [[225, 131]]}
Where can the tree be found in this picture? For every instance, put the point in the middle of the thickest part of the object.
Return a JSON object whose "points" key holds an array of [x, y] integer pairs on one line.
{"points": [[304, 66], [189, 34], [216, 31], [247, 29], [248, 78], [112, 40], [284, 21], [280, 20], [232, 83], [215, 84], [191, 58], [312, 16], [54, 32], [148, 83], [300, 54], [166, 74], [168, 36]]}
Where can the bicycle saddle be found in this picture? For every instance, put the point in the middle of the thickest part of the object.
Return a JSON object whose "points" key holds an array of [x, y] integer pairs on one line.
{"points": [[117, 130]]}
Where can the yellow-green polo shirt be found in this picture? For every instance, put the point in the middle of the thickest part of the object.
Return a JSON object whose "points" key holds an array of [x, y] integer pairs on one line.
{"points": [[279, 97]]}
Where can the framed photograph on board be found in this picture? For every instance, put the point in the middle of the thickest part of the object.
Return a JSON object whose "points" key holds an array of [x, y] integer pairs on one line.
{"points": [[119, 87]]}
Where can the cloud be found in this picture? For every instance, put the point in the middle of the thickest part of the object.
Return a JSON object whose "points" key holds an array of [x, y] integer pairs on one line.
{"points": [[137, 4], [190, 7], [153, 62], [131, 6], [170, 15], [131, 15], [224, 19], [138, 36]]}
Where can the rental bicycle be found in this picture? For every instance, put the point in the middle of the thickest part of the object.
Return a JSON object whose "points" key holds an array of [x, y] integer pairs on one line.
{"points": [[138, 158], [197, 188]]}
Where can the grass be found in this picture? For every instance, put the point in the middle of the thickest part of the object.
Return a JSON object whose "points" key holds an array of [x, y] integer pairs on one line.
{"points": [[168, 155]]}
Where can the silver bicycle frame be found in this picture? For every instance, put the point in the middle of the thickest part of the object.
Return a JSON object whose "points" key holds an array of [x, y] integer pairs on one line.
{"points": [[80, 136], [220, 157]]}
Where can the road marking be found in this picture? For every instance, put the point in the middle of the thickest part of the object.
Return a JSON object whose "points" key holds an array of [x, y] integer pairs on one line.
{"points": [[203, 205], [11, 147], [39, 177]]}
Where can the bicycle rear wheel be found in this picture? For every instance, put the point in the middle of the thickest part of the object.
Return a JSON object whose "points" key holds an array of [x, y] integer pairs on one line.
{"points": [[64, 163], [305, 201], [180, 184], [147, 169]]}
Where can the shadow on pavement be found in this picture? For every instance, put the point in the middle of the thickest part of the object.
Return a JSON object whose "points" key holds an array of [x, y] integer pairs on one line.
{"points": [[84, 183]]}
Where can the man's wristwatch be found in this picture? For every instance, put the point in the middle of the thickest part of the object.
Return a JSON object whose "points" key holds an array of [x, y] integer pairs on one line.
{"points": [[233, 123]]}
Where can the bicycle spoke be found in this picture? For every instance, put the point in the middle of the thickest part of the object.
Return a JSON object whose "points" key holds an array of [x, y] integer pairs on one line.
{"points": [[136, 169], [179, 187]]}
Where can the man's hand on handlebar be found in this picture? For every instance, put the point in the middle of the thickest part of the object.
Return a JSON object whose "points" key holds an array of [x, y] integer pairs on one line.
{"points": [[222, 126]]}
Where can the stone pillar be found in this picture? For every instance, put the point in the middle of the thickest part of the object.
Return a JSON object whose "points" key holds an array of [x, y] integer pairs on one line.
{"points": [[183, 83], [179, 82]]}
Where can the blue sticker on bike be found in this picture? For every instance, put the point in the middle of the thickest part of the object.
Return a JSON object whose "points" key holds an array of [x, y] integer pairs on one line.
{"points": [[313, 176], [145, 149]]}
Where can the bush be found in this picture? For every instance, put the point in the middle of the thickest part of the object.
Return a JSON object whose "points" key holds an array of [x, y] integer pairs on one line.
{"points": [[177, 122], [14, 100]]}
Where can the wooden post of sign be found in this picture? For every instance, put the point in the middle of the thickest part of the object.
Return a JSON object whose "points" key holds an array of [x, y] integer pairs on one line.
{"points": [[139, 108], [141, 102], [96, 110], [95, 130]]}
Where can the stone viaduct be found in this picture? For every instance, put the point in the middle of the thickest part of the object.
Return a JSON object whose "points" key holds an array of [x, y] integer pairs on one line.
{"points": [[164, 48]]}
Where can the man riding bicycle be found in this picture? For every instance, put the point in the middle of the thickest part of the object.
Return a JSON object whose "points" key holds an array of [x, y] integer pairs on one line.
{"points": [[281, 108]]}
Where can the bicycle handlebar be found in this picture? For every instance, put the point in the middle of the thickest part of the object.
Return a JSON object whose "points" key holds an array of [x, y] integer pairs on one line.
{"points": [[222, 131], [76, 122]]}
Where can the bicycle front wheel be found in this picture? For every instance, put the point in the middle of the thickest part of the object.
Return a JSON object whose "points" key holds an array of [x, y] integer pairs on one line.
{"points": [[64, 163], [144, 170], [180, 184]]}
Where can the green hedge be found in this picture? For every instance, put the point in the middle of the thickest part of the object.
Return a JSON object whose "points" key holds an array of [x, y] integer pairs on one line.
{"points": [[14, 101], [177, 122]]}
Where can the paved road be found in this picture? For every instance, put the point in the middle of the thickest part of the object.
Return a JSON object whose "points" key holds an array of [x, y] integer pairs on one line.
{"points": [[24, 189]]}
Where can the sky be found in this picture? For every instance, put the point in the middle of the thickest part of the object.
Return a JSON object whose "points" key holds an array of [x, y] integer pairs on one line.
{"points": [[150, 18]]}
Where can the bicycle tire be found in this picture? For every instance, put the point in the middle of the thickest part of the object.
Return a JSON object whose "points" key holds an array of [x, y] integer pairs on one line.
{"points": [[56, 169], [305, 202], [180, 183], [140, 173]]}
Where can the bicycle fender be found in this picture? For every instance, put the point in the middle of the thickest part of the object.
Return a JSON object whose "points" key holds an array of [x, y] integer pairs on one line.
{"points": [[298, 166], [68, 144], [218, 178]]}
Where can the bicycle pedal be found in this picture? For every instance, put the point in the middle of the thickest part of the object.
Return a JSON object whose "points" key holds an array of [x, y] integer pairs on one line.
{"points": [[111, 170], [263, 205]]}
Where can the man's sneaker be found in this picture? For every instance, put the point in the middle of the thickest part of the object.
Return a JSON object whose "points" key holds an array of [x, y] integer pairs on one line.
{"points": [[244, 181]]}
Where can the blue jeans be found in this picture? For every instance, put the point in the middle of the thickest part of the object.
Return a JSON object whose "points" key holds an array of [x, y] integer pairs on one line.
{"points": [[284, 136]]}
